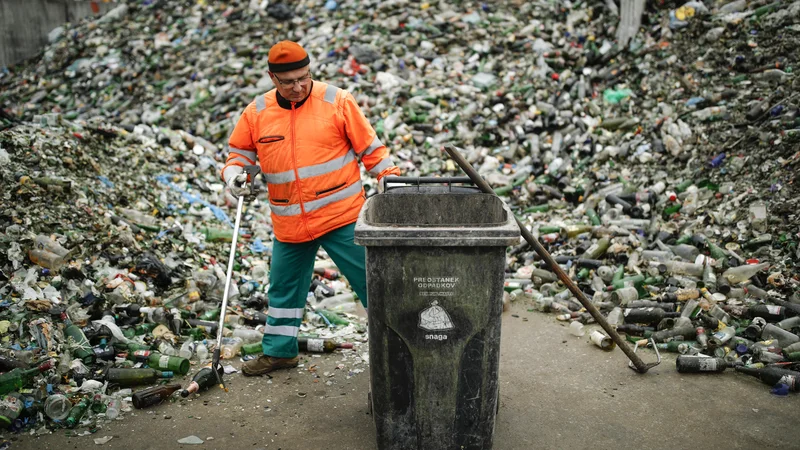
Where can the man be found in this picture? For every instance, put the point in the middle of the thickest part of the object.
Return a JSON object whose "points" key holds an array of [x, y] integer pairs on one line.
{"points": [[308, 137]]}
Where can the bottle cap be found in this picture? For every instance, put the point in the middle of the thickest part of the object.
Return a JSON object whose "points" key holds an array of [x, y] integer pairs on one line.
{"points": [[167, 374], [741, 349]]}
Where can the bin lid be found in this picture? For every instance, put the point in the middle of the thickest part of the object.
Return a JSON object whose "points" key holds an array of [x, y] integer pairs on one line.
{"points": [[436, 216]]}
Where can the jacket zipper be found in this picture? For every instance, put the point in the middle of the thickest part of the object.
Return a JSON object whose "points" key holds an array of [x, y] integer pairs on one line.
{"points": [[297, 175]]}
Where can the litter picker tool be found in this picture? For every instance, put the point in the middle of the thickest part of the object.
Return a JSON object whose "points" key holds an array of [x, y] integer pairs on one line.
{"points": [[251, 172], [636, 363]]}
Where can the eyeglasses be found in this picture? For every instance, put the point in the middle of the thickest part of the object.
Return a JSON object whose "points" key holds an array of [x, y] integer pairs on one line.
{"points": [[302, 81]]}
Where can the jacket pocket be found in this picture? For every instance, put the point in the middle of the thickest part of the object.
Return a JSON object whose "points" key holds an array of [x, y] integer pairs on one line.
{"points": [[270, 139], [280, 200], [329, 190]]}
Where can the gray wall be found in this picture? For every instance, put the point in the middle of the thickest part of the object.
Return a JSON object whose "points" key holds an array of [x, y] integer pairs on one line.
{"points": [[24, 24]]}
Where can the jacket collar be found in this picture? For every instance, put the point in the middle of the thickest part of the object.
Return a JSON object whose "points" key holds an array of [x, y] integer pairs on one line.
{"points": [[286, 104]]}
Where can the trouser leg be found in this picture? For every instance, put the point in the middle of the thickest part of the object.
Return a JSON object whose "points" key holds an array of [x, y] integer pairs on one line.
{"points": [[348, 257], [289, 279]]}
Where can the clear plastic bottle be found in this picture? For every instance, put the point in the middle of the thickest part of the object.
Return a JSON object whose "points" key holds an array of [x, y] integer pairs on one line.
{"points": [[615, 317], [345, 302], [707, 113], [165, 348], [784, 338], [248, 336], [42, 242], [187, 349], [230, 347], [113, 407], [201, 351], [138, 217], [48, 260], [788, 324], [684, 268], [739, 274]]}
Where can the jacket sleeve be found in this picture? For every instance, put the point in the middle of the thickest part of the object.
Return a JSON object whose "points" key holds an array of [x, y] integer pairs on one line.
{"points": [[370, 150], [242, 149]]}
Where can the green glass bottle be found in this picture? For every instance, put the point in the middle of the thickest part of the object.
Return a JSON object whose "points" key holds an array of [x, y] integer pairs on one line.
{"points": [[634, 280], [332, 318], [19, 378], [135, 377], [81, 348], [77, 412], [145, 328], [216, 234], [674, 346], [593, 217], [549, 229], [172, 363], [202, 381], [670, 210], [619, 274], [572, 231], [196, 333], [98, 404], [657, 280], [211, 314], [132, 346], [538, 208], [683, 186], [252, 349], [717, 252], [597, 249]]}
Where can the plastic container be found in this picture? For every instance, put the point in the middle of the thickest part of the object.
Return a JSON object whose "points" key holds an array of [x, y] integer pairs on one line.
{"points": [[435, 264], [577, 329], [57, 407]]}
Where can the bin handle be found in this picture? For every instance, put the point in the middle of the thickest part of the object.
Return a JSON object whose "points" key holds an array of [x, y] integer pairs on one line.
{"points": [[417, 181]]}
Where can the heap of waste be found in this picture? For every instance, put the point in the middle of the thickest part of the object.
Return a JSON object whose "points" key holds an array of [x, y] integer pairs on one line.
{"points": [[660, 174]]}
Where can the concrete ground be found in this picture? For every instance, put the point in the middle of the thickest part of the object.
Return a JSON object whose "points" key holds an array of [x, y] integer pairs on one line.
{"points": [[557, 392]]}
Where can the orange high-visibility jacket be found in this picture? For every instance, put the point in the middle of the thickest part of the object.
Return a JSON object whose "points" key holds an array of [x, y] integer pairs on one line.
{"points": [[309, 156]]}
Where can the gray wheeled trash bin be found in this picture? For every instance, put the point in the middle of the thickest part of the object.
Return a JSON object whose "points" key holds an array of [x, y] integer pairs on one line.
{"points": [[435, 271]]}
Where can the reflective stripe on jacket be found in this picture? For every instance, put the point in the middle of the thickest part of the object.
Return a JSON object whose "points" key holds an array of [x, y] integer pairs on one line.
{"points": [[309, 156]]}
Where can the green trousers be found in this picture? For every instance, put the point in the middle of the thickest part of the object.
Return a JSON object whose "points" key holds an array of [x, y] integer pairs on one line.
{"points": [[290, 279]]}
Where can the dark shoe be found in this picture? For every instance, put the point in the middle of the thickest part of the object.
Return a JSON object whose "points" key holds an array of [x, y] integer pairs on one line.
{"points": [[265, 364]]}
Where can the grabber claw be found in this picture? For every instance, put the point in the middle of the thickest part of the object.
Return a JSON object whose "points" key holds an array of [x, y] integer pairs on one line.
{"points": [[251, 171], [647, 366]]}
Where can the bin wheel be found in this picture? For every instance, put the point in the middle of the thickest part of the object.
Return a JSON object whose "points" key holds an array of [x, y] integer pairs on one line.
{"points": [[369, 402]]}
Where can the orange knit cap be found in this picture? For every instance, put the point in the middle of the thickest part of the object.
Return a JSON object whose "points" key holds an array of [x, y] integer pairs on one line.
{"points": [[287, 55]]}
